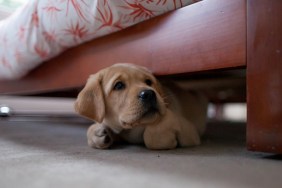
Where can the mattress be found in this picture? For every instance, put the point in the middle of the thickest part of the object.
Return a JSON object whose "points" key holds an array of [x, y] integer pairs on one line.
{"points": [[40, 30]]}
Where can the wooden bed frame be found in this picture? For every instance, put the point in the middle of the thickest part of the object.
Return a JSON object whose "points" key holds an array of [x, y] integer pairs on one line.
{"points": [[209, 35]]}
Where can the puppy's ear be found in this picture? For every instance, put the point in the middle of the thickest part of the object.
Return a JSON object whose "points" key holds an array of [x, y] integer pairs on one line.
{"points": [[90, 101]]}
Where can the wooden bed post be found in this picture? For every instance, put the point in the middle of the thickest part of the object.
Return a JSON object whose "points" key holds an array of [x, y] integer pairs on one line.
{"points": [[264, 75]]}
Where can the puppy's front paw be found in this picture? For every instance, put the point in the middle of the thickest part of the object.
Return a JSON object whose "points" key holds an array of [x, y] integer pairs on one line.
{"points": [[99, 136], [158, 139]]}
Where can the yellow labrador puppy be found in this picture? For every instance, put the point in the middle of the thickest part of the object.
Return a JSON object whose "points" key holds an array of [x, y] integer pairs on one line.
{"points": [[129, 103]]}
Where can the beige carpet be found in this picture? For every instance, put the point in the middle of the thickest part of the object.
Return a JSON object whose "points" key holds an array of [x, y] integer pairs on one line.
{"points": [[39, 154]]}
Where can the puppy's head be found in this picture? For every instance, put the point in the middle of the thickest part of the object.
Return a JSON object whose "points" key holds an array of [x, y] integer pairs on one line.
{"points": [[122, 96]]}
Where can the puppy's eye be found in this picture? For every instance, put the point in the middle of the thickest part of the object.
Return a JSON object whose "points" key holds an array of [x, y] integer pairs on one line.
{"points": [[148, 82], [119, 86]]}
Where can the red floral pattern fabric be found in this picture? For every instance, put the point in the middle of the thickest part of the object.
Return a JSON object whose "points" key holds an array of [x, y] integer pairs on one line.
{"points": [[42, 29]]}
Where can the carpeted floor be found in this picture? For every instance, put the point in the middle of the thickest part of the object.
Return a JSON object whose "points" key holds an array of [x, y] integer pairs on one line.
{"points": [[40, 154]]}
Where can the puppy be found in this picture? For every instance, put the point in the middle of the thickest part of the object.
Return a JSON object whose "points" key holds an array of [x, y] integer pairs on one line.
{"points": [[128, 103]]}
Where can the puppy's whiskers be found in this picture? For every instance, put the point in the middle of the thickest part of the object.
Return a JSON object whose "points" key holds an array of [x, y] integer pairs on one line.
{"points": [[166, 99]]}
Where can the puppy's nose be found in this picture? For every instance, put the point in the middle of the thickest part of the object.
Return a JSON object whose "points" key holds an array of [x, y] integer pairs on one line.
{"points": [[148, 96]]}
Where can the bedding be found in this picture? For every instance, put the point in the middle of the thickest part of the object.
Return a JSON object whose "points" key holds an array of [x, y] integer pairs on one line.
{"points": [[41, 30]]}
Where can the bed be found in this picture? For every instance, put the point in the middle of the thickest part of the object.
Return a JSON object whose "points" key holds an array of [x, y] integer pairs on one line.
{"points": [[210, 35]]}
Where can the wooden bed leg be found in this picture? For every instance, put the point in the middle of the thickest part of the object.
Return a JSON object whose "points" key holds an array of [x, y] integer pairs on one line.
{"points": [[264, 75]]}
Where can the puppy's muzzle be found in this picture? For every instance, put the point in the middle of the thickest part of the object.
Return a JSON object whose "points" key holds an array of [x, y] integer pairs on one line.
{"points": [[149, 101], [148, 97]]}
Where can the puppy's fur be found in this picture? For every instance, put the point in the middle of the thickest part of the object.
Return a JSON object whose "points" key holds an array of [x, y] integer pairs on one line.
{"points": [[129, 103]]}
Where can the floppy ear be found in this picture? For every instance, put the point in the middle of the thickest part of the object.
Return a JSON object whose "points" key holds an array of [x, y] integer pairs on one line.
{"points": [[90, 101]]}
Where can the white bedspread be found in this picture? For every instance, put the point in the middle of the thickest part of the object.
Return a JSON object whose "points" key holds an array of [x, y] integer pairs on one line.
{"points": [[42, 29]]}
